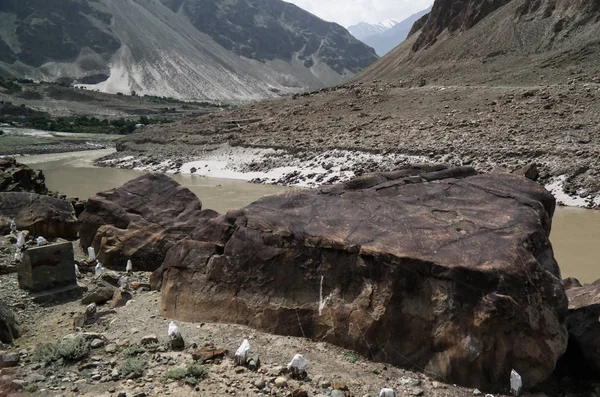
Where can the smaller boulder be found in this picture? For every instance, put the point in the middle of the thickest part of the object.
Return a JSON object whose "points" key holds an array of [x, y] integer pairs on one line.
{"points": [[9, 330], [149, 339], [120, 299], [99, 292]]}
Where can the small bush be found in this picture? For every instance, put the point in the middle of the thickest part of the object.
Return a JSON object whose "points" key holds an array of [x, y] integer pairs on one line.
{"points": [[350, 356], [134, 350], [134, 367], [67, 349], [192, 374], [197, 371], [191, 381], [177, 373]]}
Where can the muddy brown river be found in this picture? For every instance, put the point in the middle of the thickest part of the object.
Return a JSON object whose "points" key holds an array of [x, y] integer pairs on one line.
{"points": [[575, 233]]}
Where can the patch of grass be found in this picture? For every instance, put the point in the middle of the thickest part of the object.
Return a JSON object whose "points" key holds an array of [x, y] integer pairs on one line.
{"points": [[134, 350], [193, 374], [177, 373], [67, 349], [350, 356], [31, 388], [152, 347], [134, 367], [190, 380], [197, 371]]}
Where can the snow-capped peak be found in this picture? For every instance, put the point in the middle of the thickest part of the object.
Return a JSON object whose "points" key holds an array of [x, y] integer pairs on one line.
{"points": [[363, 30]]}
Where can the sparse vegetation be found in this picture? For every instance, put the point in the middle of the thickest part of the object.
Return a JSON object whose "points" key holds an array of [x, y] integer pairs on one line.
{"points": [[72, 350], [350, 356], [163, 99], [134, 350], [134, 367], [193, 374]]}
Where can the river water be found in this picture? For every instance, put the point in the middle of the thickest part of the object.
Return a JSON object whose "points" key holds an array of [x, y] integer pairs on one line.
{"points": [[575, 232]]}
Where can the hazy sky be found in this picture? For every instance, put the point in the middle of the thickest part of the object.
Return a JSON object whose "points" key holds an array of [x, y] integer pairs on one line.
{"points": [[349, 12]]}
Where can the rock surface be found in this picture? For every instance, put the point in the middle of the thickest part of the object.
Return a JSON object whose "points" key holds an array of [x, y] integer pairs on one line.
{"points": [[456, 277], [9, 330], [15, 177], [41, 215], [583, 323], [140, 221]]}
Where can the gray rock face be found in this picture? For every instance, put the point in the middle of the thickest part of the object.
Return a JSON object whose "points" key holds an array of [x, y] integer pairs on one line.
{"points": [[9, 330]]}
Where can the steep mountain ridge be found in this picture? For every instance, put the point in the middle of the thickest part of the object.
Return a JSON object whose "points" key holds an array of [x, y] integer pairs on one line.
{"points": [[202, 49], [497, 40]]}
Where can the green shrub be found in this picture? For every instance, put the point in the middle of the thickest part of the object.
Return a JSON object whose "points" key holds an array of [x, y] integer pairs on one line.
{"points": [[190, 380], [134, 350], [350, 356], [177, 373], [134, 367], [197, 371], [73, 349], [192, 374]]}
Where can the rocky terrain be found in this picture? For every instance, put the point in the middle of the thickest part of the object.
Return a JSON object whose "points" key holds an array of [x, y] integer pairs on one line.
{"points": [[198, 49], [113, 340], [488, 84], [482, 126]]}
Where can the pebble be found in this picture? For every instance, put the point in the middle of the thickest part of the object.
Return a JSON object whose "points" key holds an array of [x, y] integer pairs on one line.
{"points": [[111, 348], [476, 392], [260, 383], [281, 381], [417, 392], [96, 343], [337, 393]]}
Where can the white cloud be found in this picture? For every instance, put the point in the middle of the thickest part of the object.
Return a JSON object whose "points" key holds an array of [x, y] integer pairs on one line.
{"points": [[349, 12]]}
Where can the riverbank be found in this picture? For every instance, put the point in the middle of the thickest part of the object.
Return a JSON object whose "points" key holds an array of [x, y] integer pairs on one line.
{"points": [[300, 168], [555, 127]]}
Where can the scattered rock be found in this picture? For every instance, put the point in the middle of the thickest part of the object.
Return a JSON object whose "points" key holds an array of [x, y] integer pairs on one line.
{"points": [[111, 348], [96, 343]]}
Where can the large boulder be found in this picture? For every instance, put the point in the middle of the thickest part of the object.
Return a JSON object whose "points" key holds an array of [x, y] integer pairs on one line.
{"points": [[582, 359], [140, 221], [16, 177], [41, 215], [455, 277], [9, 330]]}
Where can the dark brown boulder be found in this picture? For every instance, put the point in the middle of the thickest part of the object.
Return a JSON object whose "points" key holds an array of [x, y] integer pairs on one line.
{"points": [[456, 277], [582, 359], [16, 177], [9, 330], [140, 221], [41, 215], [571, 282]]}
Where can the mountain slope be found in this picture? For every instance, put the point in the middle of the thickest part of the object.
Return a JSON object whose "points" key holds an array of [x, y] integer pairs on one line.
{"points": [[497, 40], [202, 49], [364, 30], [387, 40]]}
